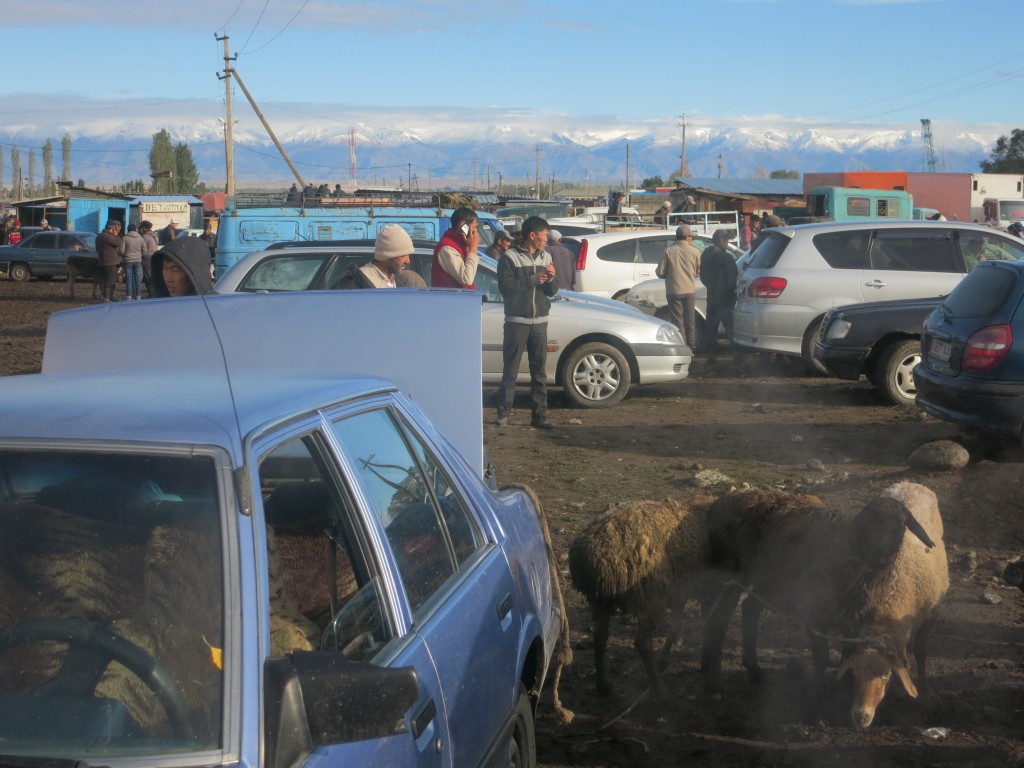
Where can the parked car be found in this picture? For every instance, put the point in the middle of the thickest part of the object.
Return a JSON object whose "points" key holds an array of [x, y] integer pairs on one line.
{"points": [[879, 339], [972, 361], [288, 560], [650, 297], [798, 273], [596, 349], [45, 254]]}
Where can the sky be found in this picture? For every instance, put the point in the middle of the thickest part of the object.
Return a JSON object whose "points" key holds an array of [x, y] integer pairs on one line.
{"points": [[889, 62]]}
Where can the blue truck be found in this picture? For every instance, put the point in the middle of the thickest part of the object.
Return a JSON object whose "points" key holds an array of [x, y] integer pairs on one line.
{"points": [[254, 222]]}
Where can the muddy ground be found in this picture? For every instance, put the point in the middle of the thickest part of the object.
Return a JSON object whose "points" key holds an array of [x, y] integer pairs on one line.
{"points": [[759, 423]]}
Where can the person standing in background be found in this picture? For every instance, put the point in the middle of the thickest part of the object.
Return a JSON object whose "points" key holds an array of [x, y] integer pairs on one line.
{"points": [[562, 258], [134, 245], [110, 247], [150, 246], [718, 273], [455, 256], [679, 267]]}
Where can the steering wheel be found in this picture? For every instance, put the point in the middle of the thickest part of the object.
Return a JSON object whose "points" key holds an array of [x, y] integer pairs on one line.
{"points": [[92, 649]]}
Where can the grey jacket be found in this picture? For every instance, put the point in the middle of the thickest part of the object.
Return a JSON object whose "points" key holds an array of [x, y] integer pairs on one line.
{"points": [[133, 247]]}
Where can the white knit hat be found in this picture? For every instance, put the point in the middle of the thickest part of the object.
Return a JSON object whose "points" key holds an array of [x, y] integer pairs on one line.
{"points": [[392, 242]]}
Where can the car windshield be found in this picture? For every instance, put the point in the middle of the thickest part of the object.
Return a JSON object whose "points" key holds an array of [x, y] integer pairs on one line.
{"points": [[111, 601]]}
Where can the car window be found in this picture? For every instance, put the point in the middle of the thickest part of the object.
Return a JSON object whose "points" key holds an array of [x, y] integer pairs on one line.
{"points": [[285, 273], [982, 293], [845, 249], [43, 240], [623, 252], [72, 243], [112, 601], [487, 281], [977, 247], [768, 252], [412, 500], [913, 250], [653, 248], [324, 594]]}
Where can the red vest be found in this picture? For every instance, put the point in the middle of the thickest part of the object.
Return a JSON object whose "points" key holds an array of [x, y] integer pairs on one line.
{"points": [[438, 277]]}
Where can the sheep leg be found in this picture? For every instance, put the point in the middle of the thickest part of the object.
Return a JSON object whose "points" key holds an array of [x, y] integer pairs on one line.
{"points": [[644, 643], [718, 606], [602, 621], [819, 653], [921, 654], [751, 614]]}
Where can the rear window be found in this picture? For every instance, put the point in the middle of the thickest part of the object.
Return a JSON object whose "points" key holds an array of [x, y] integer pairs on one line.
{"points": [[767, 254], [983, 292], [847, 249], [623, 252]]}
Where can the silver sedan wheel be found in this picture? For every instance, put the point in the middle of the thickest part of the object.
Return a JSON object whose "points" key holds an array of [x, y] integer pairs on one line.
{"points": [[595, 375]]}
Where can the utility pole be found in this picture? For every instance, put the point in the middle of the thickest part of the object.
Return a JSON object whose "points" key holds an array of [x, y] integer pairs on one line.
{"points": [[721, 166], [684, 170], [474, 175], [499, 182], [488, 177], [229, 139], [538, 171], [410, 177], [628, 187], [551, 185]]}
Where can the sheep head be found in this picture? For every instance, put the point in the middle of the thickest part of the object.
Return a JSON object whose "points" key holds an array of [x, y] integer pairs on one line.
{"points": [[878, 531], [872, 668]]}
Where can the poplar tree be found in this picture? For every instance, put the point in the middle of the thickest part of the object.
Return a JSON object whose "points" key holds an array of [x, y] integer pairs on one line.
{"points": [[48, 168], [65, 148], [15, 170], [162, 162]]}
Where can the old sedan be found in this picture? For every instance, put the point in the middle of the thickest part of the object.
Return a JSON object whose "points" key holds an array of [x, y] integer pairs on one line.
{"points": [[45, 254], [289, 563], [596, 348]]}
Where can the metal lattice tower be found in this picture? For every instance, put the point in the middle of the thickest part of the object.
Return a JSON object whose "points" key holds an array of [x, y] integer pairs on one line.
{"points": [[352, 155], [929, 145]]}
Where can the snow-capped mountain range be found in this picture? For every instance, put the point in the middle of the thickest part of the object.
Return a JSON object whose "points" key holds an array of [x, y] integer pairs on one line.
{"points": [[480, 148]]}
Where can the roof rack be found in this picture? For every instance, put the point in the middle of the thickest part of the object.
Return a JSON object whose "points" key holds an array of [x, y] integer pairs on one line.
{"points": [[361, 198]]}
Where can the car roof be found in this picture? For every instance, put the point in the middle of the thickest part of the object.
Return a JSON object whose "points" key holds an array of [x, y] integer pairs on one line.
{"points": [[155, 370], [824, 226]]}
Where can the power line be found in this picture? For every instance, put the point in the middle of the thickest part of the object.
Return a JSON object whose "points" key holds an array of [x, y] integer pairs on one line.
{"points": [[281, 31], [237, 7], [253, 30]]}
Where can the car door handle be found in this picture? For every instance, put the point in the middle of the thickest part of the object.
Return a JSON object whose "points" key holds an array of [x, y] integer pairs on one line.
{"points": [[422, 717], [504, 607], [876, 284]]}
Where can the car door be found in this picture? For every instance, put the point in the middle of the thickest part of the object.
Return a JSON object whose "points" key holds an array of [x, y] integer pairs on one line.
{"points": [[41, 252], [331, 587], [492, 319], [910, 263], [649, 253], [457, 584]]}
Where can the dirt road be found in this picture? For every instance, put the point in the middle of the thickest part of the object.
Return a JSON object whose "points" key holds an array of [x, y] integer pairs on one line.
{"points": [[764, 426]]}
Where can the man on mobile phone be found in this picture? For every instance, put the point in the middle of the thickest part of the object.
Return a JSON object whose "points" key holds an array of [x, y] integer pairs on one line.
{"points": [[455, 256]]}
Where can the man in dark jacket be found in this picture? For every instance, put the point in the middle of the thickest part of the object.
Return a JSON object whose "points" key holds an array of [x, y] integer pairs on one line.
{"points": [[110, 248], [718, 273], [182, 269], [526, 279]]}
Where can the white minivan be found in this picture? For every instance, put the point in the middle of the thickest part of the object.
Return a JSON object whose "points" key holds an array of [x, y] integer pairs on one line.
{"points": [[610, 263]]}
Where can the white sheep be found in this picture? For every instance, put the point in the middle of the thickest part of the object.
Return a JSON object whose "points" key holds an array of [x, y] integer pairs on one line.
{"points": [[827, 568]]}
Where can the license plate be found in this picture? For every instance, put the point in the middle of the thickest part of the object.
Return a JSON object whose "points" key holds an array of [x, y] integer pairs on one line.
{"points": [[940, 349]]}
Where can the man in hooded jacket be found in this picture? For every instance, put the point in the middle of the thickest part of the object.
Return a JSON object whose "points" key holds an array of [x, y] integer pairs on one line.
{"points": [[182, 268]]}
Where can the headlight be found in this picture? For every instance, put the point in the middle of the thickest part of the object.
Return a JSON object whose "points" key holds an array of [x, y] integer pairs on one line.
{"points": [[670, 335], [839, 329]]}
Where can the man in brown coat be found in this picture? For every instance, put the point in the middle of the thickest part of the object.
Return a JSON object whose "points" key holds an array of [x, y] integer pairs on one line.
{"points": [[680, 267], [110, 247]]}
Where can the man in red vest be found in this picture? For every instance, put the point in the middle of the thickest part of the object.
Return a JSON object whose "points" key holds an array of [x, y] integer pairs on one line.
{"points": [[455, 256]]}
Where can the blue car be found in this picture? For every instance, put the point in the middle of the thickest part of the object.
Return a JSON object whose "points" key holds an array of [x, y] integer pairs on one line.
{"points": [[232, 533], [972, 352]]}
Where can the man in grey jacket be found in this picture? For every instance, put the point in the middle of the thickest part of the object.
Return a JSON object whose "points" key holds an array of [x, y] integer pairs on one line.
{"points": [[526, 279], [680, 267]]}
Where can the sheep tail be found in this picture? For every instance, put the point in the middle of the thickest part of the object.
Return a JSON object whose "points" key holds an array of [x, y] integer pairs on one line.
{"points": [[563, 656]]}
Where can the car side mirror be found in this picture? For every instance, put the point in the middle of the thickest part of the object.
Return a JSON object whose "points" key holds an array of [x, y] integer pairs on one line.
{"points": [[316, 698]]}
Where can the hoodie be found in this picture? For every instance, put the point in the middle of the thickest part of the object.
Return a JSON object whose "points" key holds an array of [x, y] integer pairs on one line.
{"points": [[193, 256]]}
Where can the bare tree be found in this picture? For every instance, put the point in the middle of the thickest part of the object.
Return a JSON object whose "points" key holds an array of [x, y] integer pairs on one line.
{"points": [[48, 168], [65, 148], [31, 172]]}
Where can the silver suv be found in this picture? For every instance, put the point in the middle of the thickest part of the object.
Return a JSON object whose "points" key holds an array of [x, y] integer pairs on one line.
{"points": [[799, 273]]}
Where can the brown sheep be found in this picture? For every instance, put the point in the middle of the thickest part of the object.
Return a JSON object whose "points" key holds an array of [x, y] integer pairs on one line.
{"points": [[801, 557], [899, 609], [643, 558]]}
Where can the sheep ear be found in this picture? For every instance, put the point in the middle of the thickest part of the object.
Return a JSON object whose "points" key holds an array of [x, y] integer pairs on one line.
{"points": [[904, 677], [845, 666], [915, 528]]}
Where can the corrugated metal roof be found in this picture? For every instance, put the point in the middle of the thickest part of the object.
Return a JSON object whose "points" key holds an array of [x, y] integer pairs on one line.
{"points": [[190, 199], [727, 186]]}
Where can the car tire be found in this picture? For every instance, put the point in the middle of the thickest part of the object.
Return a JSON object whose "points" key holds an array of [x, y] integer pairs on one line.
{"points": [[595, 375], [19, 272], [894, 375], [811, 366], [621, 295], [522, 751]]}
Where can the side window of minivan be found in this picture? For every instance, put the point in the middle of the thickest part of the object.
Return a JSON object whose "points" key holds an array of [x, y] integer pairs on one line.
{"points": [[652, 249], [844, 249], [622, 252], [914, 250]]}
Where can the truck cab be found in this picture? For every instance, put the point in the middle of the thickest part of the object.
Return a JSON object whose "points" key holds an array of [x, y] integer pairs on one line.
{"points": [[852, 204]]}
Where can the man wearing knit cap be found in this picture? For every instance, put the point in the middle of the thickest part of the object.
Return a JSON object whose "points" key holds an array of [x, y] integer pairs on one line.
{"points": [[391, 253], [679, 267]]}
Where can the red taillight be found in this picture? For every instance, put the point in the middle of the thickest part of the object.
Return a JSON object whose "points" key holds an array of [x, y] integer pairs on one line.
{"points": [[766, 288], [581, 260], [986, 348]]}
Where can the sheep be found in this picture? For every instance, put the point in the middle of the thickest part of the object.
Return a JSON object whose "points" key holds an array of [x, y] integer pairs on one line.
{"points": [[86, 267], [1013, 574], [827, 568], [641, 557], [899, 609]]}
